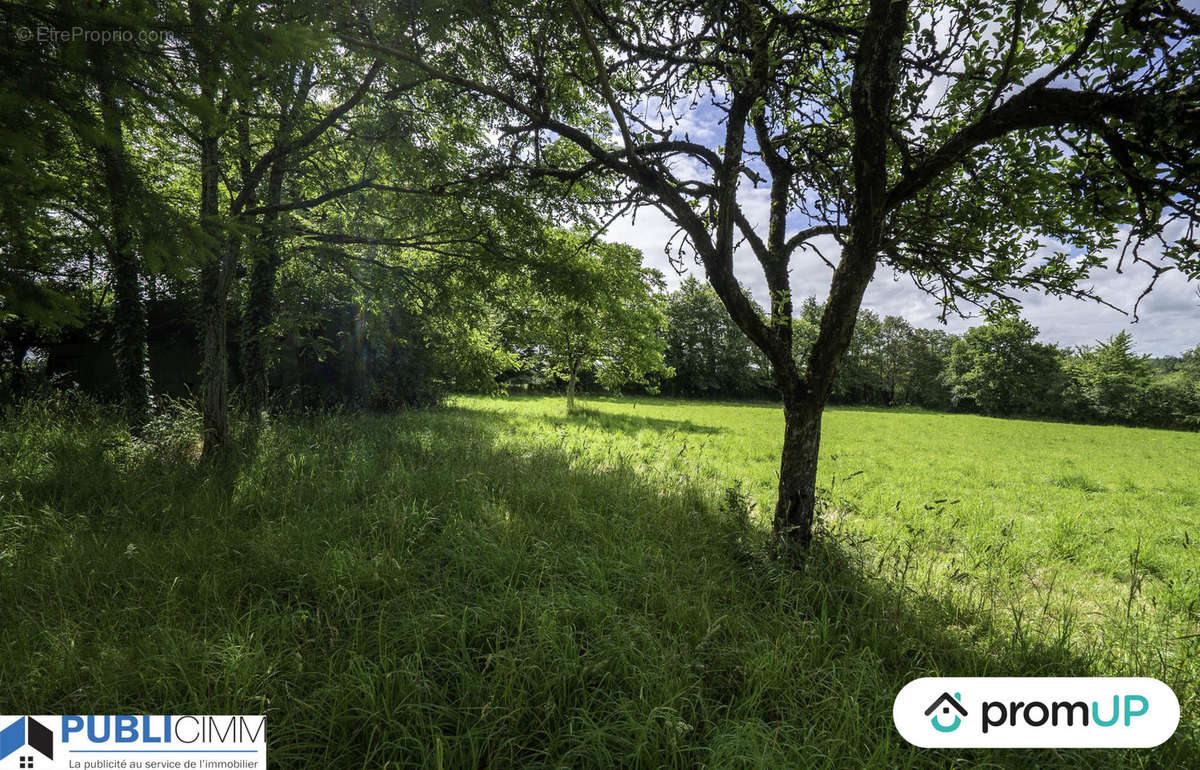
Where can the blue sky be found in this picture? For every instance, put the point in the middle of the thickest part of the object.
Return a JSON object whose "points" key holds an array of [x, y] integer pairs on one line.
{"points": [[1169, 317]]}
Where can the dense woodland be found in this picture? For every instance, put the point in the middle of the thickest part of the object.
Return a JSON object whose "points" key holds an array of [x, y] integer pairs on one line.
{"points": [[275, 205]]}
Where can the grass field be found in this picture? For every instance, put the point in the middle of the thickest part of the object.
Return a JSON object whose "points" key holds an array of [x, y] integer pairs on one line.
{"points": [[496, 583]]}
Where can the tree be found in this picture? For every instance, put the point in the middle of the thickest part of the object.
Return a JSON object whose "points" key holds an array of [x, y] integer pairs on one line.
{"points": [[1174, 398], [1189, 363], [860, 377], [1062, 122], [1001, 369], [250, 115], [80, 91], [612, 327], [229, 53], [926, 355], [1109, 381], [895, 335], [291, 93], [708, 353]]}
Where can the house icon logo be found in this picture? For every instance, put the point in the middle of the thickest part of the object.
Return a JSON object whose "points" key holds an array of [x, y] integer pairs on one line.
{"points": [[945, 702], [26, 735]]}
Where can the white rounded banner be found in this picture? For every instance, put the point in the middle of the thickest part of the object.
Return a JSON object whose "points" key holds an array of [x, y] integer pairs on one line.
{"points": [[1036, 712]]}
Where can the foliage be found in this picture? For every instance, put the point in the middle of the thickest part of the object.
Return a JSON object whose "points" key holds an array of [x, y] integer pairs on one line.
{"points": [[1172, 400], [709, 354], [1109, 382], [358, 343], [925, 352], [1000, 368], [609, 325], [888, 362], [334, 221]]}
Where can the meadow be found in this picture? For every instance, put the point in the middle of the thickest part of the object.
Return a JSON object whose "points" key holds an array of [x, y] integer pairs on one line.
{"points": [[498, 583]]}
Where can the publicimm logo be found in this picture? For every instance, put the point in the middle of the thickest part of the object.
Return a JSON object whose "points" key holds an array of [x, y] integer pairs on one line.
{"points": [[26, 733], [110, 741], [1036, 712]]}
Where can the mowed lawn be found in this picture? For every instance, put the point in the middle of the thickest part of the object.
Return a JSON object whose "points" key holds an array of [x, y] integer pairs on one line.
{"points": [[498, 583]]}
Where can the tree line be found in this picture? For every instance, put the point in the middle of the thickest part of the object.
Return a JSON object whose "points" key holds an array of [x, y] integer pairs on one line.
{"points": [[997, 368], [621, 330]]}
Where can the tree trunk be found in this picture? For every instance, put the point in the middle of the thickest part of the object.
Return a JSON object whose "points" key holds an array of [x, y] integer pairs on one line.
{"points": [[871, 96], [265, 258], [215, 277], [256, 319], [571, 387], [215, 368], [796, 509], [221, 243], [129, 312], [215, 365], [260, 299], [20, 350]]}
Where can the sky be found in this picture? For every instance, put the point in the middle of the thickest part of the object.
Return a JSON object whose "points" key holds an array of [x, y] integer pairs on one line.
{"points": [[1168, 320], [1169, 317]]}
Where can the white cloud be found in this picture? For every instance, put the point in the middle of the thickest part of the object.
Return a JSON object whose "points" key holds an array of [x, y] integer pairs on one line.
{"points": [[1169, 316]]}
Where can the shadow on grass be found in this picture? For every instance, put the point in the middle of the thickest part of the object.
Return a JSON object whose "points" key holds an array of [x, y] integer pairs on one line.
{"points": [[412, 589], [583, 417], [628, 423]]}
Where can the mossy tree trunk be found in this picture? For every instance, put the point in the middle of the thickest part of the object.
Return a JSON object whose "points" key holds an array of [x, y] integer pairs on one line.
{"points": [[258, 315], [215, 365], [265, 255], [218, 252]]}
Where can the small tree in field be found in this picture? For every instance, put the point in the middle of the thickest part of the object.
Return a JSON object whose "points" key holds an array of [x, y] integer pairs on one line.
{"points": [[611, 325]]}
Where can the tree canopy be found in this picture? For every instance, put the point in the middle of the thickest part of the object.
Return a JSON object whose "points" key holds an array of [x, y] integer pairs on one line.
{"points": [[611, 326]]}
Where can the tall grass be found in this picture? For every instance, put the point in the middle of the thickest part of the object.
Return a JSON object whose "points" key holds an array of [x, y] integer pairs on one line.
{"points": [[498, 585]]}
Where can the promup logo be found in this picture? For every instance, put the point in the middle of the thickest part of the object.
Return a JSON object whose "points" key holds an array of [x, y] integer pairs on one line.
{"points": [[1036, 712], [946, 701], [26, 732]]}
